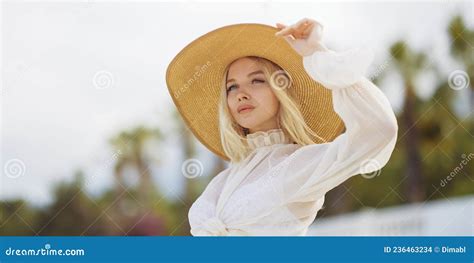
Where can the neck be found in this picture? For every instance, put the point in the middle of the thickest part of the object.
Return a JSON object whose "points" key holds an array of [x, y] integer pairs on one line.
{"points": [[270, 125]]}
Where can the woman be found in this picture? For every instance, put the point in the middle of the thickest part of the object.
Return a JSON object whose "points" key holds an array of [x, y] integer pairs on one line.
{"points": [[283, 100]]}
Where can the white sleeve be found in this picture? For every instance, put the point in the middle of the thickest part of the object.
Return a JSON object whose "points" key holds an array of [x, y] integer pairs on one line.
{"points": [[370, 135]]}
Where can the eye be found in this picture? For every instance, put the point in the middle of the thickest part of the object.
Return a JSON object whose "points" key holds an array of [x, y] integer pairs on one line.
{"points": [[258, 81], [231, 87]]}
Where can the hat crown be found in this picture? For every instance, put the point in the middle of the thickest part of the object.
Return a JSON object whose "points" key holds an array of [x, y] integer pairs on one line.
{"points": [[267, 138]]}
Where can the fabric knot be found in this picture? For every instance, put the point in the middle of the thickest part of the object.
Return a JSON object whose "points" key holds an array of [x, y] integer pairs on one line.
{"points": [[216, 227]]}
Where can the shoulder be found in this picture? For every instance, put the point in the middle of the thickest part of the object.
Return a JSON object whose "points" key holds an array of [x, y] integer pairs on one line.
{"points": [[301, 155]]}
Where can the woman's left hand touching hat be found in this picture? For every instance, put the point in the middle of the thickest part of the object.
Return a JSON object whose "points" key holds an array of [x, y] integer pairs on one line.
{"points": [[304, 36]]}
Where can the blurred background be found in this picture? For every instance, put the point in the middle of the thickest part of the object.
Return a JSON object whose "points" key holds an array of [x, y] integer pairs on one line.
{"points": [[91, 143]]}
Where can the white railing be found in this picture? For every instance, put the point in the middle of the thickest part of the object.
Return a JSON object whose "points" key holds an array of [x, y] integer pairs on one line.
{"points": [[449, 217]]}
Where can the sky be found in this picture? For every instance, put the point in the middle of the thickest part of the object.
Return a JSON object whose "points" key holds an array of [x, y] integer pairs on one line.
{"points": [[76, 73]]}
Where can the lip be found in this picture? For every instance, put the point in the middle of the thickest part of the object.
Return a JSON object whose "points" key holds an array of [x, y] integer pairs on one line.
{"points": [[245, 108]]}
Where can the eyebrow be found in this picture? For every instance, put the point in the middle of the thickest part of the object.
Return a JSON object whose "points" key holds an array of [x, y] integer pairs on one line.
{"points": [[250, 74]]}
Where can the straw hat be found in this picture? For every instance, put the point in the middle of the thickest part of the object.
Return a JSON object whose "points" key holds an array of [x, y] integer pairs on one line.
{"points": [[195, 78]]}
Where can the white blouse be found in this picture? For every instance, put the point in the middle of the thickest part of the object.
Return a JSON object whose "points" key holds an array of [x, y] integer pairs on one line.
{"points": [[280, 187]]}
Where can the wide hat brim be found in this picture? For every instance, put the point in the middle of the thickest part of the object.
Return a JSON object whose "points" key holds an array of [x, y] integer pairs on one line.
{"points": [[195, 78]]}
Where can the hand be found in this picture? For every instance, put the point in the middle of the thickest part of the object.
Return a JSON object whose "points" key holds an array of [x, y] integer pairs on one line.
{"points": [[304, 36]]}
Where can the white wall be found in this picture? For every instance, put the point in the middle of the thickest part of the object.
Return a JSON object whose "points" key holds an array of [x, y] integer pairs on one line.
{"points": [[449, 217]]}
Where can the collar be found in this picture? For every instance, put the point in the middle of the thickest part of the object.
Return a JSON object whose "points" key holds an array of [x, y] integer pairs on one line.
{"points": [[267, 138]]}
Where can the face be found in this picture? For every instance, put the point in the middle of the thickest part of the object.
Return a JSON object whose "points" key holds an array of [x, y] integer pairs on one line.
{"points": [[250, 97]]}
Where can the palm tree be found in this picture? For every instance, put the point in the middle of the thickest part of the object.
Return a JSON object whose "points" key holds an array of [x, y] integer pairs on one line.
{"points": [[131, 146], [462, 48], [410, 64]]}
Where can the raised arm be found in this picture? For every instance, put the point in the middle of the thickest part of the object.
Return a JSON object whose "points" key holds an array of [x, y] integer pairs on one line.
{"points": [[365, 146]]}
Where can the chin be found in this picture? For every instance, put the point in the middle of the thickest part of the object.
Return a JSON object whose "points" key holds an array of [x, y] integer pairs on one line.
{"points": [[249, 121], [246, 124]]}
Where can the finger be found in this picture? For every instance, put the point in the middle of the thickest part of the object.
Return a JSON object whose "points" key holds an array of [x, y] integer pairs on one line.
{"points": [[304, 28], [308, 29], [302, 23], [279, 25], [289, 39], [309, 22], [285, 31], [298, 28], [305, 24]]}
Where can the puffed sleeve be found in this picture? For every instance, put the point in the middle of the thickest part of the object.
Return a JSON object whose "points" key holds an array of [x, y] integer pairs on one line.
{"points": [[370, 135]]}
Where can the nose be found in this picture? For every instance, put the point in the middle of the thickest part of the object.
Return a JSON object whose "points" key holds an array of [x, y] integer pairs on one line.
{"points": [[242, 95]]}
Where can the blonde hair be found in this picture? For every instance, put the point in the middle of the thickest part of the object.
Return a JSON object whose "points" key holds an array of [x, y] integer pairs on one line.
{"points": [[290, 118]]}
